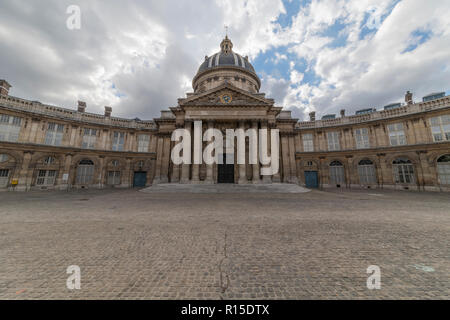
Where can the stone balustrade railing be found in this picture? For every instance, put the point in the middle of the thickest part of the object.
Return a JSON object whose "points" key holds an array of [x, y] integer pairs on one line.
{"points": [[378, 115], [68, 114]]}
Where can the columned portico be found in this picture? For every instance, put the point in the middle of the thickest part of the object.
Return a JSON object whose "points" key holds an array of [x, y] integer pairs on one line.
{"points": [[226, 96]]}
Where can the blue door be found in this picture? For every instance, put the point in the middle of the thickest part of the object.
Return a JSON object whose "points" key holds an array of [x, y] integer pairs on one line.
{"points": [[311, 179], [140, 179]]}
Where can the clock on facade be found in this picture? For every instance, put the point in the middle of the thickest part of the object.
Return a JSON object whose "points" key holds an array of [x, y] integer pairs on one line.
{"points": [[226, 98]]}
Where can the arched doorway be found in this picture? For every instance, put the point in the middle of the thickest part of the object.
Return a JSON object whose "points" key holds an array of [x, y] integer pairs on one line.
{"points": [[85, 172], [403, 171], [443, 168], [337, 173], [366, 172], [5, 172]]}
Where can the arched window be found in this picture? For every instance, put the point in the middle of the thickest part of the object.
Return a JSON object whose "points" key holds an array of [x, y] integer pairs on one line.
{"points": [[337, 175], [115, 163], [85, 172], [49, 160], [4, 178], [4, 173], [366, 171], [403, 171], [443, 166]]}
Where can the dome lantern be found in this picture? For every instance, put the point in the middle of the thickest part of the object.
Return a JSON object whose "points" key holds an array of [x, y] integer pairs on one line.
{"points": [[226, 45]]}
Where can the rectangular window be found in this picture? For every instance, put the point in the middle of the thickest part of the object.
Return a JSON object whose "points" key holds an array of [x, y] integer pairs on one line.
{"points": [[118, 141], [143, 142], [333, 141], [308, 142], [89, 138], [396, 134], [362, 138], [46, 178], [54, 134], [113, 178], [9, 128], [440, 128]]}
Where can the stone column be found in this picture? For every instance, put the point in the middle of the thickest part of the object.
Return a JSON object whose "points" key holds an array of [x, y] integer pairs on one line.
{"points": [[165, 160], [292, 164], [266, 179], [256, 173], [175, 178], [196, 167], [209, 167], [35, 126], [285, 158], [73, 135], [24, 182], [322, 172], [126, 177], [425, 179], [382, 170], [159, 156], [351, 177], [65, 169], [242, 168], [185, 168], [102, 172]]}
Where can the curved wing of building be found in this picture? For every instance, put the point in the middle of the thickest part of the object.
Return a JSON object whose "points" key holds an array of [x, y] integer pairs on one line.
{"points": [[404, 146]]}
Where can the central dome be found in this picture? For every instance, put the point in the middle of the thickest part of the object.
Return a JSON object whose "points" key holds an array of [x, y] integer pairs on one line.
{"points": [[226, 65], [226, 57]]}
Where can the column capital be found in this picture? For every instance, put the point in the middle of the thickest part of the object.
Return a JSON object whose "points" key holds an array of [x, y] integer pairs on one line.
{"points": [[264, 123], [255, 123]]}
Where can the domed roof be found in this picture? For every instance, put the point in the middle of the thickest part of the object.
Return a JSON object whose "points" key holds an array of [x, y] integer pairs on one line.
{"points": [[226, 58]]}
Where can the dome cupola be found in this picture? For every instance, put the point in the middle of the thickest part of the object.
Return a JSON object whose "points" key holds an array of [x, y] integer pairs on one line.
{"points": [[226, 65]]}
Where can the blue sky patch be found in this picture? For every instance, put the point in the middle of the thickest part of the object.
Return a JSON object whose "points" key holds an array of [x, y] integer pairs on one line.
{"points": [[292, 8], [418, 37]]}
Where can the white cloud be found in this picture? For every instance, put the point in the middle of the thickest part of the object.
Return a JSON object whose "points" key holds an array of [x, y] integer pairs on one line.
{"points": [[139, 57]]}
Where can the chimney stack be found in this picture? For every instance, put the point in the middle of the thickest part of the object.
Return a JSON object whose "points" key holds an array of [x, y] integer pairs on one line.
{"points": [[342, 113], [4, 87], [81, 106], [108, 111], [312, 116], [409, 98]]}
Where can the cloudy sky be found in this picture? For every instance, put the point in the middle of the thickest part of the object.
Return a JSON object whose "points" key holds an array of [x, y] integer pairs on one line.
{"points": [[140, 56]]}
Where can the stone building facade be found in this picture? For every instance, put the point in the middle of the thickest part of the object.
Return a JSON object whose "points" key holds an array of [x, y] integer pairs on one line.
{"points": [[405, 146]]}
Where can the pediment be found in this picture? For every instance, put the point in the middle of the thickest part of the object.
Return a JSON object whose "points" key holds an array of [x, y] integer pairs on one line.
{"points": [[225, 95]]}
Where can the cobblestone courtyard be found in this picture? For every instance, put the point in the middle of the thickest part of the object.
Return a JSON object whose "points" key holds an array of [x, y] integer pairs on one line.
{"points": [[314, 245]]}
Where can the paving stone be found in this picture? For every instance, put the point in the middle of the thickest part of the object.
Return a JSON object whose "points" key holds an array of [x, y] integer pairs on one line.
{"points": [[247, 245]]}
